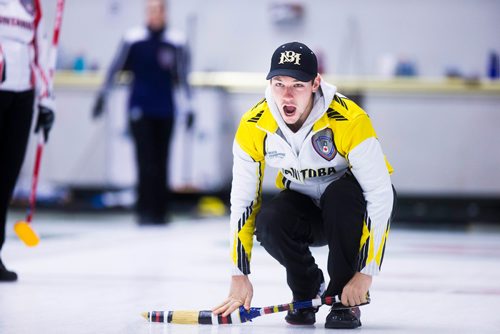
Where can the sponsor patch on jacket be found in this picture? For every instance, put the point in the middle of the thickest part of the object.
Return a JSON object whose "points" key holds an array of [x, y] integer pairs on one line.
{"points": [[275, 155], [323, 144]]}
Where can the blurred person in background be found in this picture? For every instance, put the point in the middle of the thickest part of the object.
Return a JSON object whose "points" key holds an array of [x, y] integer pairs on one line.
{"points": [[158, 59], [335, 186], [23, 79]]}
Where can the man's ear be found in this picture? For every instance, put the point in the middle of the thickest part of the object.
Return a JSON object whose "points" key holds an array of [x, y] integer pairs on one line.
{"points": [[316, 83]]}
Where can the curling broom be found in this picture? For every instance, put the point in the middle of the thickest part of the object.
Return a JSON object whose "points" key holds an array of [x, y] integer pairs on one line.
{"points": [[241, 315], [23, 228]]}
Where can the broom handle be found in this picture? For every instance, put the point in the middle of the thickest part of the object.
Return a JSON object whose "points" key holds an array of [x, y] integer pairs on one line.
{"points": [[34, 181], [52, 66], [55, 42], [241, 315]]}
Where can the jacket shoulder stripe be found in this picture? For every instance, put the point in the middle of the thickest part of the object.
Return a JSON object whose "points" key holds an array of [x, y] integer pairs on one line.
{"points": [[258, 104], [335, 115], [256, 112], [256, 118], [340, 101]]}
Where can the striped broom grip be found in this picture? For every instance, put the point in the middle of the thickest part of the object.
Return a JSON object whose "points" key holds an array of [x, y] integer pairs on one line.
{"points": [[241, 315]]}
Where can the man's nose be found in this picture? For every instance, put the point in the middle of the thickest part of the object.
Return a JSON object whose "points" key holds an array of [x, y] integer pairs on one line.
{"points": [[288, 91]]}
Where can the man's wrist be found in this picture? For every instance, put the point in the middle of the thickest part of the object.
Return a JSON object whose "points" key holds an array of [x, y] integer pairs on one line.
{"points": [[235, 271]]}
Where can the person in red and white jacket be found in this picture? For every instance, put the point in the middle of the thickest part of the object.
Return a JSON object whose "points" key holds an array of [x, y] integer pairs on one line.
{"points": [[24, 80]]}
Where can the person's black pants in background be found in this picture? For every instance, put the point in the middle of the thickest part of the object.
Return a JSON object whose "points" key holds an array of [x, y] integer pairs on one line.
{"points": [[16, 114], [290, 223], [152, 144]]}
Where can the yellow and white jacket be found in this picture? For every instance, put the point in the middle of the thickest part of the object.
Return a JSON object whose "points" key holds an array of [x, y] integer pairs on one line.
{"points": [[336, 137]]}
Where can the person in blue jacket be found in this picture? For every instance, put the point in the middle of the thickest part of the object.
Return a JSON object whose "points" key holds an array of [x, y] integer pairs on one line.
{"points": [[158, 59]]}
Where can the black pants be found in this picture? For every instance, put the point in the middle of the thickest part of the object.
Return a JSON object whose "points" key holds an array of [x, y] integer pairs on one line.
{"points": [[288, 225], [16, 113], [152, 143]]}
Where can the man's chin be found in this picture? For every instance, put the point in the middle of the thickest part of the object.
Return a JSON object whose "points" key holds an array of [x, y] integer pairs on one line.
{"points": [[294, 126], [289, 120]]}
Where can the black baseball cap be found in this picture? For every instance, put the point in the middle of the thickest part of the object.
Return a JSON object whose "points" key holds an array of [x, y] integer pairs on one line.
{"points": [[295, 60]]}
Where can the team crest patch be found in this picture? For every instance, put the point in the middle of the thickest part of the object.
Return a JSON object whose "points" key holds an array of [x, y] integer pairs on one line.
{"points": [[323, 144]]}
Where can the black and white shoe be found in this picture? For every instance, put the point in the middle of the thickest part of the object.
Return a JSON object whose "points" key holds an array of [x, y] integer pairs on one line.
{"points": [[344, 318], [302, 317]]}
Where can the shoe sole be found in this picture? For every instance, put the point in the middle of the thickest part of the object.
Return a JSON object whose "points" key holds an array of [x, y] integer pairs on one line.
{"points": [[295, 323], [340, 325], [300, 323]]}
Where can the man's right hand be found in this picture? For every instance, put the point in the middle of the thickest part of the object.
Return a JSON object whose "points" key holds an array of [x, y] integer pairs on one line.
{"points": [[241, 293], [99, 105]]}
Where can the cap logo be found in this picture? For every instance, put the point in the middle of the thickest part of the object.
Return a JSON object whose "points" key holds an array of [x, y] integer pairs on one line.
{"points": [[290, 57]]}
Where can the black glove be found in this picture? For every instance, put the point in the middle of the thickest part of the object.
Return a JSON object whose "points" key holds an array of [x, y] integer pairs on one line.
{"points": [[45, 120], [3, 67], [190, 118], [3, 71], [99, 105]]}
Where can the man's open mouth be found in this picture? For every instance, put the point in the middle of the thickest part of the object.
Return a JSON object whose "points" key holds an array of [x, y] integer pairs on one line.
{"points": [[289, 110]]}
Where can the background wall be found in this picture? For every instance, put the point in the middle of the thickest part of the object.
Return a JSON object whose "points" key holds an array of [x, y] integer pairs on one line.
{"points": [[354, 36], [439, 143]]}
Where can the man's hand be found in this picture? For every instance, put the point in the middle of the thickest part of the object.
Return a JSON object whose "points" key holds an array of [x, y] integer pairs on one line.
{"points": [[355, 291], [2, 66], [99, 104], [190, 119], [45, 118], [241, 293]]}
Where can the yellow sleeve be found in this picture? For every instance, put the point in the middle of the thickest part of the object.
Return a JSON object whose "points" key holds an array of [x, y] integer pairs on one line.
{"points": [[246, 191]]}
